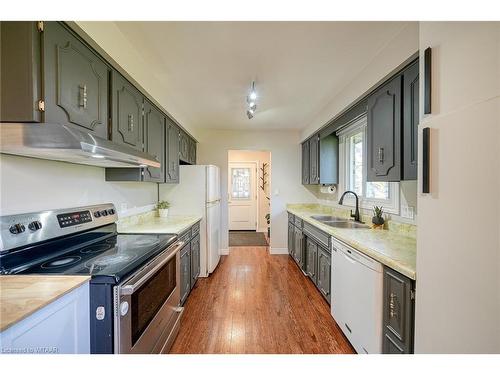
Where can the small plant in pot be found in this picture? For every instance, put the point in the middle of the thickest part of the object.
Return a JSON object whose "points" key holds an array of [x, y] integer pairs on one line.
{"points": [[162, 208], [378, 218]]}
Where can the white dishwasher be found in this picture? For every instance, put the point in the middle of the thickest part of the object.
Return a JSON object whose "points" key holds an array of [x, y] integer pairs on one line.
{"points": [[357, 287]]}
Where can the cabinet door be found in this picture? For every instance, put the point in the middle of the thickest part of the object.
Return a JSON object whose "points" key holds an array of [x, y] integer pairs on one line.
{"points": [[384, 133], [185, 269], [299, 248], [127, 113], [184, 147], [305, 163], [75, 82], [195, 259], [314, 160], [311, 251], [154, 137], [398, 311], [291, 239], [172, 154], [324, 272], [410, 122], [192, 151]]}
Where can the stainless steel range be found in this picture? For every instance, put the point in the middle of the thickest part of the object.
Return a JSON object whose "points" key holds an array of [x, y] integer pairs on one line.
{"points": [[135, 279]]}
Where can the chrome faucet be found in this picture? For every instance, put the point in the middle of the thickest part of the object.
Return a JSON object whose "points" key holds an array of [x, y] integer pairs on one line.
{"points": [[356, 212]]}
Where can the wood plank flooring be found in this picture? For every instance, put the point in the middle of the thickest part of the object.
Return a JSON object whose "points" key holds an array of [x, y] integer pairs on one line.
{"points": [[258, 303]]}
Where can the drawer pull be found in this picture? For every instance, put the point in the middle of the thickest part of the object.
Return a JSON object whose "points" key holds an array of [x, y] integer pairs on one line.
{"points": [[83, 96], [392, 305]]}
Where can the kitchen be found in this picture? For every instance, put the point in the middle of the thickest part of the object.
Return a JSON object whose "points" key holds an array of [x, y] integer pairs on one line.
{"points": [[116, 187]]}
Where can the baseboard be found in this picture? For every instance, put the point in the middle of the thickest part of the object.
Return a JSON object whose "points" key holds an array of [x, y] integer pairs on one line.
{"points": [[278, 250], [224, 251]]}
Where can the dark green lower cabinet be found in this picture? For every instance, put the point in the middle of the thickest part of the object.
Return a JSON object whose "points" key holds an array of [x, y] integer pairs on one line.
{"points": [[185, 270], [291, 236], [399, 313], [311, 259], [324, 272], [298, 252], [195, 259]]}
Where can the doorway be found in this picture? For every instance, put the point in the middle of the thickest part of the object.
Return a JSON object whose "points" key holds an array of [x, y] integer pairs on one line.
{"points": [[248, 197]]}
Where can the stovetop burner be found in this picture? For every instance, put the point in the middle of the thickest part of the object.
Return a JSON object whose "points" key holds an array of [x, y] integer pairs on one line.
{"points": [[98, 264], [97, 248], [61, 262]]}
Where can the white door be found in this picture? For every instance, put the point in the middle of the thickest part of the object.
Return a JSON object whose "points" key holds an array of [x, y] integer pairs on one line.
{"points": [[242, 196]]}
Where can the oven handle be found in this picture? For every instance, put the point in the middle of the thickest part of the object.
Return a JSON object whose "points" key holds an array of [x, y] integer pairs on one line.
{"points": [[131, 288]]}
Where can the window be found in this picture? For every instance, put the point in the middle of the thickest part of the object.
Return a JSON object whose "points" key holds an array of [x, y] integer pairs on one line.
{"points": [[353, 169], [240, 183]]}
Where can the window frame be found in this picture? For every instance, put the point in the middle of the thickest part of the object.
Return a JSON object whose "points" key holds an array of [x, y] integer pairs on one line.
{"points": [[391, 205]]}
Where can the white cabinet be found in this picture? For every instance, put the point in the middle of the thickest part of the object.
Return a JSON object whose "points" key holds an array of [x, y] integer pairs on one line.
{"points": [[63, 326], [357, 282]]}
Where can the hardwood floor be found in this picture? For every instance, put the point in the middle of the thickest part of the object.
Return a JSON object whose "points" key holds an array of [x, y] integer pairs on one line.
{"points": [[258, 303]]}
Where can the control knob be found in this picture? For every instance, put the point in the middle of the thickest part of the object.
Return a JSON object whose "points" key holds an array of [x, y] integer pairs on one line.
{"points": [[17, 228], [104, 213], [111, 211], [97, 214], [35, 225]]}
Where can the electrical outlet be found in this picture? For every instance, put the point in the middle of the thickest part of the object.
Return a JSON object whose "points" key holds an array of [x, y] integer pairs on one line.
{"points": [[408, 212]]}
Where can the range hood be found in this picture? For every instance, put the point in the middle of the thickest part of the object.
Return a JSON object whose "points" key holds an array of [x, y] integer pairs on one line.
{"points": [[64, 143]]}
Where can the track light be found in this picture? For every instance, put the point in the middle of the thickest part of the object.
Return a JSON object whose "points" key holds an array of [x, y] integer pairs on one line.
{"points": [[252, 101]]}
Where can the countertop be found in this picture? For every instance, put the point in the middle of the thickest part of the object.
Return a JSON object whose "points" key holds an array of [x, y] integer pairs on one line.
{"points": [[22, 295], [391, 248], [150, 223]]}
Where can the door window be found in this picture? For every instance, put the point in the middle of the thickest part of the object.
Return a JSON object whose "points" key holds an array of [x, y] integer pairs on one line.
{"points": [[240, 183]]}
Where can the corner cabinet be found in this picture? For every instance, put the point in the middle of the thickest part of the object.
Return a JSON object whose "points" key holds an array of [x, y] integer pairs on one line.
{"points": [[320, 156], [398, 313], [172, 154], [154, 137], [127, 103]]}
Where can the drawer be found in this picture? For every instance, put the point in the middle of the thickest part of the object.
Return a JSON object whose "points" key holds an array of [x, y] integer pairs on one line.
{"points": [[185, 236], [298, 222], [321, 237], [195, 229], [291, 218]]}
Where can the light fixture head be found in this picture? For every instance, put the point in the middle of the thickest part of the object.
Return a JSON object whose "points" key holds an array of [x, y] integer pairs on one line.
{"points": [[250, 114], [251, 101], [252, 106]]}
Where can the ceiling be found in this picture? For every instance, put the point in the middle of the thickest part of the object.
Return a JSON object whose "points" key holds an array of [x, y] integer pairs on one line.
{"points": [[298, 66]]}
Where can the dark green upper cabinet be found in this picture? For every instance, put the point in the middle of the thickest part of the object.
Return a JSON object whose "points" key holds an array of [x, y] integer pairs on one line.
{"points": [[126, 121], [305, 163], [314, 159], [75, 82], [320, 158], [172, 154], [192, 151], [384, 132], [410, 121], [154, 137], [183, 147]]}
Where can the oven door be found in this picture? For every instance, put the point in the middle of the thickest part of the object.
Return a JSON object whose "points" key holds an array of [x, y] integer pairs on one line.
{"points": [[147, 312]]}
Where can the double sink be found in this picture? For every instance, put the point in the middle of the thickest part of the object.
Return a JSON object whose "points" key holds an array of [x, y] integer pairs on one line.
{"points": [[338, 222]]}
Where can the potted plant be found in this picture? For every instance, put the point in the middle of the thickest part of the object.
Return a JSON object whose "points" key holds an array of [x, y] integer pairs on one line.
{"points": [[162, 208], [378, 219]]}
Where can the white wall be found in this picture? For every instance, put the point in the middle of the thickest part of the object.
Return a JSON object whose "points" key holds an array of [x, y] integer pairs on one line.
{"points": [[285, 172], [260, 157], [33, 185], [394, 53], [458, 246]]}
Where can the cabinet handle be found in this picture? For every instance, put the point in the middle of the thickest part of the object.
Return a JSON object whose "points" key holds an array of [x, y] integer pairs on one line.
{"points": [[130, 123], [83, 96], [381, 154], [392, 305]]}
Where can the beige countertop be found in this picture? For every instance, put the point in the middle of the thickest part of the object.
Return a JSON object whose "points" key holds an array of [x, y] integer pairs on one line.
{"points": [[391, 248], [150, 223], [22, 295]]}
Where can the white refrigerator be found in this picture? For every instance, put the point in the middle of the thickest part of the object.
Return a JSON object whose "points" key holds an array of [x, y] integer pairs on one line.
{"points": [[198, 193]]}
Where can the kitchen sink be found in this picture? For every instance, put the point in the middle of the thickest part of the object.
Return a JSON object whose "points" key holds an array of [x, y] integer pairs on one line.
{"points": [[346, 224], [338, 222], [323, 218]]}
